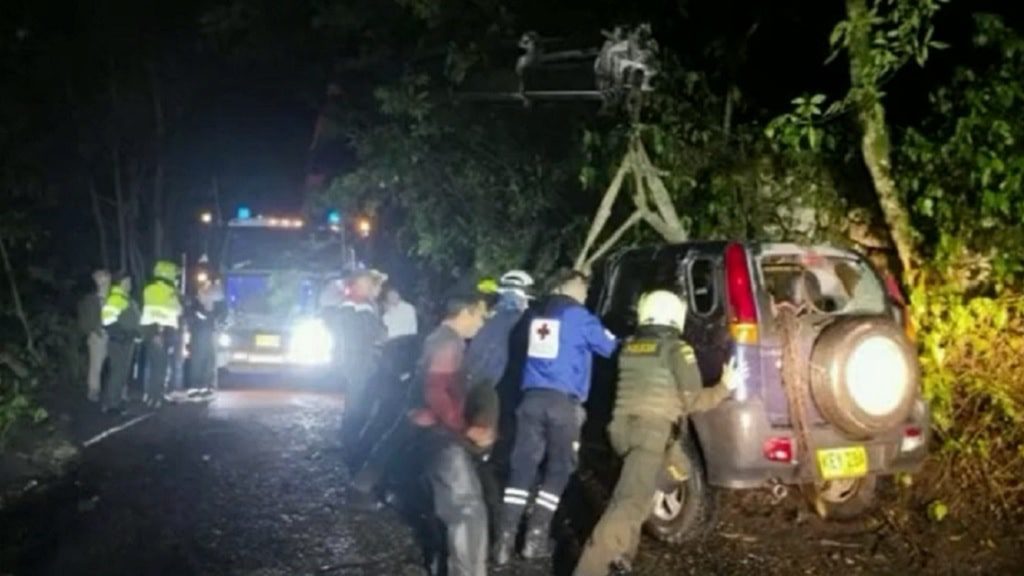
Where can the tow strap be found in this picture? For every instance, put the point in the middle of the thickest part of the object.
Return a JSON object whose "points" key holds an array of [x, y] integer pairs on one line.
{"points": [[795, 388]]}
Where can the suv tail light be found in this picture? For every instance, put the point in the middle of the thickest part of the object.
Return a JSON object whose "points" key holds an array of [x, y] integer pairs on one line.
{"points": [[913, 438], [779, 449], [743, 309]]}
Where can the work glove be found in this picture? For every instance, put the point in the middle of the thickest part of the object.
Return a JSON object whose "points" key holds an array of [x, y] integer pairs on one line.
{"points": [[733, 373]]}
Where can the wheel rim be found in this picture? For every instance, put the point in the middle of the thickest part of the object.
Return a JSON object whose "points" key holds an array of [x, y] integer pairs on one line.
{"points": [[839, 491], [668, 505]]}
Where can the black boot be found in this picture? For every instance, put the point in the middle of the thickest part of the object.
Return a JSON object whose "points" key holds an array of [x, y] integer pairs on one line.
{"points": [[504, 548], [537, 544]]}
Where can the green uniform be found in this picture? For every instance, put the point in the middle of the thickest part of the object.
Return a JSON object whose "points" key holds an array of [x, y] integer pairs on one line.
{"points": [[121, 320], [659, 384]]}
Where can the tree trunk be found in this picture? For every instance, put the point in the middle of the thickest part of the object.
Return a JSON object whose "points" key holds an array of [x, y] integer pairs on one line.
{"points": [[100, 225], [727, 114], [115, 156], [19, 310], [135, 257], [875, 143], [122, 228], [158, 158]]}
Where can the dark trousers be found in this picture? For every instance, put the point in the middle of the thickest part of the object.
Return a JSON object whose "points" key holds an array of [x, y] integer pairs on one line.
{"points": [[157, 361], [397, 447], [459, 504], [548, 423], [358, 407], [119, 367], [202, 367]]}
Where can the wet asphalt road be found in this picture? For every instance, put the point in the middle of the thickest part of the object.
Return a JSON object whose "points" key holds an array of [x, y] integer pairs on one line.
{"points": [[253, 485]]}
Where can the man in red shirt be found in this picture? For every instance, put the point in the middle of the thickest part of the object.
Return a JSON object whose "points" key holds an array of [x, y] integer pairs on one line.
{"points": [[454, 434]]}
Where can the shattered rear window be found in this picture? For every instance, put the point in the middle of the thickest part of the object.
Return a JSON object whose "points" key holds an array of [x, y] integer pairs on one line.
{"points": [[829, 284]]}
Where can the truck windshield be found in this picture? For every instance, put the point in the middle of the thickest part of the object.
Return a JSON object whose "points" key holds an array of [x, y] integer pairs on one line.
{"points": [[257, 249], [829, 284]]}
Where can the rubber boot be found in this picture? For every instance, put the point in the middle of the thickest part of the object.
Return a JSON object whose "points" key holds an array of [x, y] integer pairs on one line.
{"points": [[504, 547], [537, 544]]}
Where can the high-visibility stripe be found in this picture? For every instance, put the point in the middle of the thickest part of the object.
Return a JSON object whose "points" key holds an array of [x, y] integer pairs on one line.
{"points": [[515, 500], [517, 492], [548, 497], [160, 316], [546, 504]]}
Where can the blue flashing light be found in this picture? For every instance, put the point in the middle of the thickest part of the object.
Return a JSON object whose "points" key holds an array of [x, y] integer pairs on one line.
{"points": [[244, 213], [334, 217]]}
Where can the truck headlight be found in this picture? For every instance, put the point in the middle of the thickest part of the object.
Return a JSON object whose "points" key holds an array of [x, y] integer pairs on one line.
{"points": [[311, 342], [224, 340]]}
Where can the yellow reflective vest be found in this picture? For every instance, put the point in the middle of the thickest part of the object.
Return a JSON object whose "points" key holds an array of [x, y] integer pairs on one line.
{"points": [[160, 305], [117, 302]]}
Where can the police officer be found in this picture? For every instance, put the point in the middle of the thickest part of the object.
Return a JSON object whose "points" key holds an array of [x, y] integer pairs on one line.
{"points": [[556, 382], [161, 312], [659, 385], [121, 322]]}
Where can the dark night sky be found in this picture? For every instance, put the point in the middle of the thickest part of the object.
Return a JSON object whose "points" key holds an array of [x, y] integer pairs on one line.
{"points": [[250, 120]]}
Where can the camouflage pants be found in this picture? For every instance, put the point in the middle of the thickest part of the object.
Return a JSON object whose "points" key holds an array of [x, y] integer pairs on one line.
{"points": [[644, 445]]}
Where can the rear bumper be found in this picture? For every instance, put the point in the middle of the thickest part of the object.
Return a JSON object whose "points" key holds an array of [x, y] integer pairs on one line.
{"points": [[732, 439]]}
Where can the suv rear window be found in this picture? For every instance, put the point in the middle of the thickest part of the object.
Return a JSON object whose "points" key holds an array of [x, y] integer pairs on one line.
{"points": [[829, 284], [634, 276]]}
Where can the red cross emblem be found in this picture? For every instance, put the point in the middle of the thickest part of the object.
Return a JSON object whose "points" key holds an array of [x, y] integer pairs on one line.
{"points": [[543, 331]]}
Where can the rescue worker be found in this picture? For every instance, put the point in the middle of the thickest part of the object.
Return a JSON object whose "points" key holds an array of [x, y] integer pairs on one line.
{"points": [[486, 359], [659, 386], [121, 322], [202, 323], [90, 322], [454, 436], [556, 382], [161, 312], [487, 355], [359, 333]]}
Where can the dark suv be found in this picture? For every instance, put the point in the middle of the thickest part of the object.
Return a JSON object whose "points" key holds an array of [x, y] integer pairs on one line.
{"points": [[832, 399]]}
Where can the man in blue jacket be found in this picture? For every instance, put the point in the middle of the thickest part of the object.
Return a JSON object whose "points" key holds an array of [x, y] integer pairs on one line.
{"points": [[556, 383]]}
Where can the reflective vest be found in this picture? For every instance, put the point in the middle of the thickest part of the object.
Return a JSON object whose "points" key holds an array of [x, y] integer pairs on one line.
{"points": [[160, 305], [117, 302]]}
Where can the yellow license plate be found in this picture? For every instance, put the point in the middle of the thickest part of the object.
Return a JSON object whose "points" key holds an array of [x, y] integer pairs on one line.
{"points": [[268, 341], [837, 463]]}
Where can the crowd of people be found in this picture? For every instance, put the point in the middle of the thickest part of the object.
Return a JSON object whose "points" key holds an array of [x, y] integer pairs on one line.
{"points": [[442, 416], [433, 402], [120, 334]]}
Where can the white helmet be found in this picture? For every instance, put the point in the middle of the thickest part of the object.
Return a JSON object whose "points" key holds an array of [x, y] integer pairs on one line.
{"points": [[516, 280], [661, 308]]}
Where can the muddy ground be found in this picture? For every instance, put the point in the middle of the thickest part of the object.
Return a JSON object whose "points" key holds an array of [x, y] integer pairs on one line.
{"points": [[253, 485]]}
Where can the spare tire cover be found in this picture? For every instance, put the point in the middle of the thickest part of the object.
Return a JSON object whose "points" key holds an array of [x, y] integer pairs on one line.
{"points": [[864, 375]]}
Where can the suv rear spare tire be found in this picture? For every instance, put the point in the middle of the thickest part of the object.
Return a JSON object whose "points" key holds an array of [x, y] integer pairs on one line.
{"points": [[864, 375]]}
